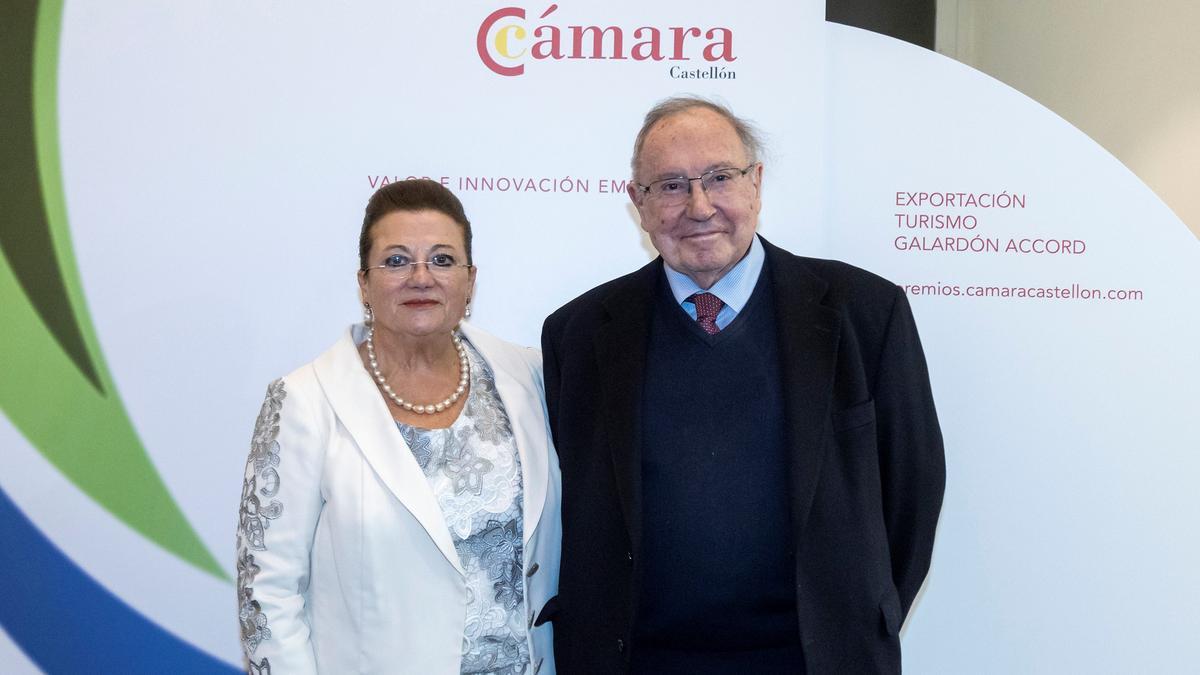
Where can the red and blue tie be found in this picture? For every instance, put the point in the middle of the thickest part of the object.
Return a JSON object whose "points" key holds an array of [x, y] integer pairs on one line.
{"points": [[708, 306]]}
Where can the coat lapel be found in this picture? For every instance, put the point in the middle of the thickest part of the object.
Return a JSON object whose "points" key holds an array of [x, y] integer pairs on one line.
{"points": [[523, 404], [621, 360], [361, 409], [808, 341]]}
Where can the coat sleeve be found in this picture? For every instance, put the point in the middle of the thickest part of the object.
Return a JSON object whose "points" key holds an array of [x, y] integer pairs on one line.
{"points": [[912, 460], [281, 501], [550, 374], [534, 358]]}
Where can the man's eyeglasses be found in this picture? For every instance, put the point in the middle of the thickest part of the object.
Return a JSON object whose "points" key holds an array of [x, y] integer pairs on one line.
{"points": [[673, 191], [400, 267]]}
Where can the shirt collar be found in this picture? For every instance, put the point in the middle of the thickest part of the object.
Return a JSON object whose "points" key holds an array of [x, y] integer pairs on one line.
{"points": [[734, 289]]}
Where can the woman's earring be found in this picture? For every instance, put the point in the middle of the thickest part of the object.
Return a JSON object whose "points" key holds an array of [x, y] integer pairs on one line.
{"points": [[368, 315], [467, 314]]}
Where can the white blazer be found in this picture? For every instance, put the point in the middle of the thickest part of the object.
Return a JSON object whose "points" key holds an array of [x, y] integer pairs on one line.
{"points": [[345, 562]]}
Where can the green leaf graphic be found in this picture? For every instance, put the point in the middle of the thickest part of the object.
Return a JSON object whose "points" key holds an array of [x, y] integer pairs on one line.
{"points": [[54, 385]]}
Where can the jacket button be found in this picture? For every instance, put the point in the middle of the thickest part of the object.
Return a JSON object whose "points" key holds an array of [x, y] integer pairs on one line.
{"points": [[532, 569], [620, 645]]}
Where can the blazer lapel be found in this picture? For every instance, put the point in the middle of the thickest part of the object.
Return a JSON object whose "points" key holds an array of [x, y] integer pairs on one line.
{"points": [[361, 409], [621, 361], [523, 405], [808, 342]]}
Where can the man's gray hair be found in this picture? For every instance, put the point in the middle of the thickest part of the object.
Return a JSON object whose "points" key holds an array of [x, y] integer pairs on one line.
{"points": [[749, 134]]}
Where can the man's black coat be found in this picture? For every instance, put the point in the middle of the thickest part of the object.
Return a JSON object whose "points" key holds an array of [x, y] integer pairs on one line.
{"points": [[867, 465]]}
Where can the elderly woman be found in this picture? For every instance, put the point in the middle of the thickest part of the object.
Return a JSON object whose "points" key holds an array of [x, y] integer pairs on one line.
{"points": [[400, 509]]}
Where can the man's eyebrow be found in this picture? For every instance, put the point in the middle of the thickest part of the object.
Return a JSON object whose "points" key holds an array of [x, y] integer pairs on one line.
{"points": [[667, 175]]}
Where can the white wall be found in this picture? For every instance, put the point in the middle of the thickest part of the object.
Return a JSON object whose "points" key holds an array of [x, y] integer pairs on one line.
{"points": [[1123, 71]]}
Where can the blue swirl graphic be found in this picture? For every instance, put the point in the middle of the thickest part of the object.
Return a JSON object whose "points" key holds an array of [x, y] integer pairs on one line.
{"points": [[66, 622]]}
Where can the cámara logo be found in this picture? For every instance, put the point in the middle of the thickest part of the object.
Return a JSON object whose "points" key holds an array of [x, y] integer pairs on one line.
{"points": [[505, 43]]}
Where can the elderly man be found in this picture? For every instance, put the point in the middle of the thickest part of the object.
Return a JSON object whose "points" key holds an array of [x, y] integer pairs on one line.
{"points": [[751, 461]]}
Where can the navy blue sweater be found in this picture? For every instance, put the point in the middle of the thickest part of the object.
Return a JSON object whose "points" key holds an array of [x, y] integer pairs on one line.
{"points": [[717, 569]]}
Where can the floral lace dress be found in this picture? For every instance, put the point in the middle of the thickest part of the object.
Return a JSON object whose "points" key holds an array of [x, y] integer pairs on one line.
{"points": [[474, 470]]}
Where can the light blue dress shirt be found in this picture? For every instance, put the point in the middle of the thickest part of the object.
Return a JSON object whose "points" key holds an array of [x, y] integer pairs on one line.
{"points": [[733, 289]]}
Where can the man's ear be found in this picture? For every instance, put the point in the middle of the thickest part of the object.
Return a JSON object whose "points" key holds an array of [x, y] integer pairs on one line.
{"points": [[636, 195], [757, 172]]}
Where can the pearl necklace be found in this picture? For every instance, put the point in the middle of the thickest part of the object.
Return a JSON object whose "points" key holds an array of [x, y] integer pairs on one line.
{"points": [[464, 376]]}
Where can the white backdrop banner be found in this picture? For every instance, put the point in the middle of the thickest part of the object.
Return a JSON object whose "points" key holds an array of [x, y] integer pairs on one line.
{"points": [[213, 162]]}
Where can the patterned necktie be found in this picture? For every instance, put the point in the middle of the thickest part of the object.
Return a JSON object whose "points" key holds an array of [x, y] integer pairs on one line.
{"points": [[708, 306]]}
